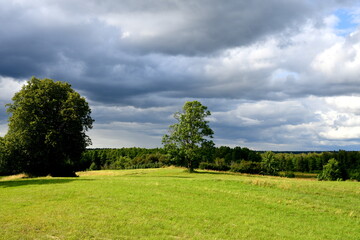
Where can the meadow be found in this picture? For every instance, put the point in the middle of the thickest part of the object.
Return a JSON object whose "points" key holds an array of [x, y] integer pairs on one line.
{"points": [[169, 203]]}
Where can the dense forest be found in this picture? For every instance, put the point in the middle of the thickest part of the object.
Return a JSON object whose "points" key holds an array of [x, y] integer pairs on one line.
{"points": [[225, 158]]}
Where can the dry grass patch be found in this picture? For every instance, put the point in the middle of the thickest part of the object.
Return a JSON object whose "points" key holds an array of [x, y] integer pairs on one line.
{"points": [[14, 177]]}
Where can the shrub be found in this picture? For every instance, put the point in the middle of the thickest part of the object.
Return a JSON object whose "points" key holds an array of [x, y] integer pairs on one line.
{"points": [[355, 174], [219, 165], [246, 167], [287, 174], [121, 162], [205, 165]]}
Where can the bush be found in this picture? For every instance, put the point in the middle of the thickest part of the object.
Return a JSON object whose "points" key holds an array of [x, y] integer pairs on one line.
{"points": [[218, 165], [93, 166], [287, 174], [355, 174], [206, 165], [121, 162], [331, 171], [246, 167], [153, 160]]}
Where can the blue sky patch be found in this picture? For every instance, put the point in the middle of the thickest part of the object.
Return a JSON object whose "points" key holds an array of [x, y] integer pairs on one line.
{"points": [[346, 22]]}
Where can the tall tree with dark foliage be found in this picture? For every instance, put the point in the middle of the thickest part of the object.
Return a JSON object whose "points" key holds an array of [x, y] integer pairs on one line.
{"points": [[47, 126]]}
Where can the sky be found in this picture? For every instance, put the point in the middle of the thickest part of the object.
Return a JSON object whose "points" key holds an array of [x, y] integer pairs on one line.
{"points": [[278, 75]]}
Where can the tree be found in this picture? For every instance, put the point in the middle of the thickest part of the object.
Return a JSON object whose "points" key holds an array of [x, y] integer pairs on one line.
{"points": [[2, 157], [190, 134], [331, 171], [47, 126], [269, 164]]}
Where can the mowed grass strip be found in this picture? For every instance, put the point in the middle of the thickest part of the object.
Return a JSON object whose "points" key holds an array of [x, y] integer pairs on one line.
{"points": [[172, 204]]}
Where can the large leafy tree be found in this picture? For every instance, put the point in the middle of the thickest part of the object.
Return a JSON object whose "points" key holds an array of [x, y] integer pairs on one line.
{"points": [[47, 126], [188, 138]]}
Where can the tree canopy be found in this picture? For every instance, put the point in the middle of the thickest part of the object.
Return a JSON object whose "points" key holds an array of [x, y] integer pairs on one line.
{"points": [[331, 171], [47, 126], [190, 134]]}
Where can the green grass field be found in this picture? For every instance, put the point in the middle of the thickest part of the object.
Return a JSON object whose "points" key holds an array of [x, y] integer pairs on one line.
{"points": [[172, 204]]}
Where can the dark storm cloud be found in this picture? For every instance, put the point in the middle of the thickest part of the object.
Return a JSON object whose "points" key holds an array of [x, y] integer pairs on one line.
{"points": [[200, 26], [137, 61], [3, 114], [80, 42], [208, 26], [32, 48]]}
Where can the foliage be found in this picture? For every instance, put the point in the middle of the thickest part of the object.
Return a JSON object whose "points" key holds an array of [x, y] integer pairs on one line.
{"points": [[9, 158], [246, 167], [2, 157], [189, 135], [269, 164], [124, 158], [354, 174], [313, 162], [219, 164], [287, 174], [47, 126], [331, 171]]}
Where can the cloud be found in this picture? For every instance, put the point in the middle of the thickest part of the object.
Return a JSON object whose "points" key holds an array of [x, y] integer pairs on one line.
{"points": [[322, 121], [126, 134], [109, 114], [339, 63], [89, 49], [8, 87], [186, 27], [201, 26], [273, 79]]}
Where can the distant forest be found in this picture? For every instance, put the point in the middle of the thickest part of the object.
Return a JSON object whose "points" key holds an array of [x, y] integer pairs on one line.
{"points": [[225, 158]]}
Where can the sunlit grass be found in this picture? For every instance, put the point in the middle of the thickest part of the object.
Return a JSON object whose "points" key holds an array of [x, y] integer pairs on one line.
{"points": [[173, 204]]}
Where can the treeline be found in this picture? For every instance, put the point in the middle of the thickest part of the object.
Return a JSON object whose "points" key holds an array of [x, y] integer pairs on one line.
{"points": [[130, 158], [348, 163], [270, 163], [224, 158], [243, 160], [123, 158]]}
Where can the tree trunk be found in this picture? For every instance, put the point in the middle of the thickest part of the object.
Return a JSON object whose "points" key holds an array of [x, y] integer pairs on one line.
{"points": [[190, 166]]}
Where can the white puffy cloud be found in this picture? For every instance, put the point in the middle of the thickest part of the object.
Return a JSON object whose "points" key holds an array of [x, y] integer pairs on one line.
{"points": [[340, 62], [8, 87]]}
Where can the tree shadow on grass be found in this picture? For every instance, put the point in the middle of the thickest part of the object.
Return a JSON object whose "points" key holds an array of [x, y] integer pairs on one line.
{"points": [[24, 182]]}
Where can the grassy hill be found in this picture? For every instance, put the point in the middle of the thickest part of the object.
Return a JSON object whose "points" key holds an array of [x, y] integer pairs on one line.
{"points": [[172, 204]]}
